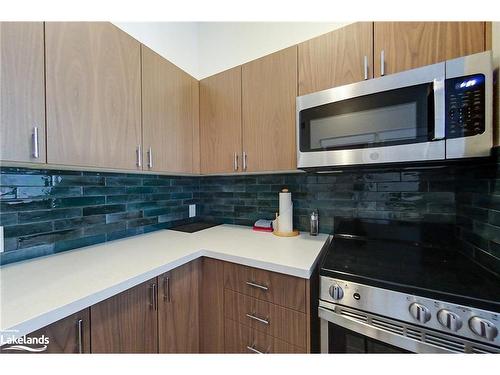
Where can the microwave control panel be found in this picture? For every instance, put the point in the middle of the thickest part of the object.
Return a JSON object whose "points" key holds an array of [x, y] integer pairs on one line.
{"points": [[465, 106]]}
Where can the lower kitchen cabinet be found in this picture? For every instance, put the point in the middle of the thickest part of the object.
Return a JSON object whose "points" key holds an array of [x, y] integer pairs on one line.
{"points": [[267, 312], [68, 335], [285, 324], [280, 289], [212, 306], [178, 321], [127, 322], [242, 339], [204, 306]]}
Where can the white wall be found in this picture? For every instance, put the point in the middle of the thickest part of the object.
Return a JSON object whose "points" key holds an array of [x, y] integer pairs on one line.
{"points": [[175, 41], [205, 48], [224, 45]]}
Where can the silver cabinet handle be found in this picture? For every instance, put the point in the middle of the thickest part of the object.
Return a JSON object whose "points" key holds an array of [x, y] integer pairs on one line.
{"points": [[366, 66], [154, 302], [244, 161], [235, 161], [138, 156], [80, 336], [260, 320], [35, 151], [254, 350], [166, 294], [150, 158], [382, 63], [254, 285]]}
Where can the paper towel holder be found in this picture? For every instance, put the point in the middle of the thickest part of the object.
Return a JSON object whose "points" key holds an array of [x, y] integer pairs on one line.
{"points": [[276, 232]]}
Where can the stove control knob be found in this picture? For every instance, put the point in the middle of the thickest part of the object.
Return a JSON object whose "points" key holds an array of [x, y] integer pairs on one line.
{"points": [[483, 328], [336, 291], [420, 312], [449, 320]]}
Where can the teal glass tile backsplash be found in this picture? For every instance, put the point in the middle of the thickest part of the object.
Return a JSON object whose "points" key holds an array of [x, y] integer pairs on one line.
{"points": [[47, 211]]}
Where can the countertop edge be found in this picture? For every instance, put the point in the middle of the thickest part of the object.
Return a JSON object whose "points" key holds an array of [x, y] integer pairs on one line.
{"points": [[52, 316]]}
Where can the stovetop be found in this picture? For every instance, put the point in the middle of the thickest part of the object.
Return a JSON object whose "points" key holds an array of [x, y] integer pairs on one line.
{"points": [[420, 259]]}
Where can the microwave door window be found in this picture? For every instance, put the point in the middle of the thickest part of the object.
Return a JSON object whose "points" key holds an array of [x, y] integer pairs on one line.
{"points": [[378, 125], [382, 119]]}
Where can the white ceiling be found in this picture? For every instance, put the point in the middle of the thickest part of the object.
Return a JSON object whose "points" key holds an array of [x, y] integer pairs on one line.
{"points": [[205, 48]]}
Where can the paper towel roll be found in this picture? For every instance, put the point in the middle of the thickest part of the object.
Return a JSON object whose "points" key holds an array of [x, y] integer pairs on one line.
{"points": [[285, 221]]}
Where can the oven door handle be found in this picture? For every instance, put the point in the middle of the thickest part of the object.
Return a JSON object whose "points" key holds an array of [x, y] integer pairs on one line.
{"points": [[439, 109]]}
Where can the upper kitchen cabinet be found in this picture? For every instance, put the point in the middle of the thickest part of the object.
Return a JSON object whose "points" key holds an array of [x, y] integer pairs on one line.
{"points": [[220, 122], [93, 83], [22, 97], [338, 58], [195, 94], [269, 91], [401, 46], [167, 114]]}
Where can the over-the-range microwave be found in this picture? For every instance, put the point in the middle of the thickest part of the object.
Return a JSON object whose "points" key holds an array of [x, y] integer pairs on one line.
{"points": [[438, 112]]}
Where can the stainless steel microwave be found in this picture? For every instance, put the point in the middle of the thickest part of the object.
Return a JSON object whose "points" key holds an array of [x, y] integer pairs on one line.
{"points": [[437, 112]]}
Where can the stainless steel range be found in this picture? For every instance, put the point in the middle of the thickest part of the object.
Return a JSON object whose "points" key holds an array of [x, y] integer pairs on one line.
{"points": [[400, 287]]}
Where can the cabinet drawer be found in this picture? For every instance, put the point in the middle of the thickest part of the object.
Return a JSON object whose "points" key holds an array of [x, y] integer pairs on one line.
{"points": [[283, 290], [243, 339], [280, 322]]}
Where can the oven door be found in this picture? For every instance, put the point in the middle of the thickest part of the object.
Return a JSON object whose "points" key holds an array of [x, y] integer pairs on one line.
{"points": [[342, 340], [397, 118]]}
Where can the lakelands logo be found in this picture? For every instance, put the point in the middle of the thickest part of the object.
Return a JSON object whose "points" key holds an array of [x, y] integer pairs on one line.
{"points": [[23, 344]]}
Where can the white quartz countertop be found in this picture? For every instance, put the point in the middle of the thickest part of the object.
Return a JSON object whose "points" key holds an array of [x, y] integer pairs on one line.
{"points": [[38, 292]]}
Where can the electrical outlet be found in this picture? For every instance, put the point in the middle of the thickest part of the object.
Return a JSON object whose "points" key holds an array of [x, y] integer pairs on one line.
{"points": [[1, 239], [192, 210]]}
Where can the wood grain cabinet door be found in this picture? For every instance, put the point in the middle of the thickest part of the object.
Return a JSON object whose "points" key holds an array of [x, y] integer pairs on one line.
{"points": [[220, 122], [178, 319], [127, 322], [212, 306], [22, 92], [337, 58], [269, 91], [68, 335], [408, 45], [167, 113], [93, 95]]}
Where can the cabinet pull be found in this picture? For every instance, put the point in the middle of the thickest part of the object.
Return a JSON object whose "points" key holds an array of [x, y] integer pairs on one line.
{"points": [[382, 63], [166, 294], [254, 285], [244, 161], [150, 158], [260, 320], [138, 156], [80, 336], [35, 151], [254, 350], [235, 161], [154, 302], [366, 66]]}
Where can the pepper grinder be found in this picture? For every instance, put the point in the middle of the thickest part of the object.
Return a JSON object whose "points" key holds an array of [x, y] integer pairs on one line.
{"points": [[314, 228]]}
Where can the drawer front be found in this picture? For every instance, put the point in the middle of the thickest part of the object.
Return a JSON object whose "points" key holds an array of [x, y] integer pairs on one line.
{"points": [[283, 290], [243, 339], [280, 322]]}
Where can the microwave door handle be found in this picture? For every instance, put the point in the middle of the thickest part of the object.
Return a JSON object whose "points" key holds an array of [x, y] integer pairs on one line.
{"points": [[439, 109]]}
